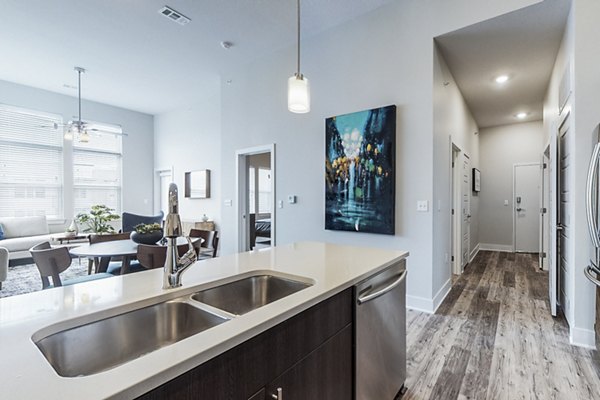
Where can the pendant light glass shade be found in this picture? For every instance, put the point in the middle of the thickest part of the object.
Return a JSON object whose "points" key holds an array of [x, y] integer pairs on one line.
{"points": [[298, 94], [84, 137], [68, 134]]}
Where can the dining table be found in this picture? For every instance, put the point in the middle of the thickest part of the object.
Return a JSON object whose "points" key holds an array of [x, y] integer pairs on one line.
{"points": [[126, 249]]}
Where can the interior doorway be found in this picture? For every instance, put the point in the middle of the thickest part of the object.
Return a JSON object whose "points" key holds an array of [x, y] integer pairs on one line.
{"points": [[544, 207], [455, 231], [526, 214], [162, 178], [256, 197]]}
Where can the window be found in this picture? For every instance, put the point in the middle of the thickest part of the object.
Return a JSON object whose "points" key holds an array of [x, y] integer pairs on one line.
{"points": [[31, 163], [264, 190], [97, 169]]}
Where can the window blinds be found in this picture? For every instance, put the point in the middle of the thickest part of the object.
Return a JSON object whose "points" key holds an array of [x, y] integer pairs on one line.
{"points": [[31, 163], [97, 170]]}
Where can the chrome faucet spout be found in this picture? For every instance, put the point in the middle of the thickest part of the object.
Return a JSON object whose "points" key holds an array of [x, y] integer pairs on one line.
{"points": [[175, 265]]}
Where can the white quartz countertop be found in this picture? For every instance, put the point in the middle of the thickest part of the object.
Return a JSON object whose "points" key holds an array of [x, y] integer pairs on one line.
{"points": [[25, 373]]}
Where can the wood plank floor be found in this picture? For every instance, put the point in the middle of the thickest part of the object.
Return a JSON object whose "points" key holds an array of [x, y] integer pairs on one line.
{"points": [[494, 338]]}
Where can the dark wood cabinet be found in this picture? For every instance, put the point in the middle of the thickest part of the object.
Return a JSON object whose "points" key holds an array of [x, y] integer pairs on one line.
{"points": [[311, 348], [325, 374]]}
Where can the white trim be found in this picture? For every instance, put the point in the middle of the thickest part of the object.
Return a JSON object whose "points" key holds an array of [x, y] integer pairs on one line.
{"points": [[240, 195], [514, 206], [438, 299], [582, 337], [426, 305], [421, 304], [156, 186], [474, 253], [495, 247]]}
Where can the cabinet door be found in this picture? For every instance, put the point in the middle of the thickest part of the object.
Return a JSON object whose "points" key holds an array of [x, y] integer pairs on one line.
{"points": [[325, 374]]}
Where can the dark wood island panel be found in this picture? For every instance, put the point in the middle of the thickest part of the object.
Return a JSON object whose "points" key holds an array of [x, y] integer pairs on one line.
{"points": [[311, 348]]}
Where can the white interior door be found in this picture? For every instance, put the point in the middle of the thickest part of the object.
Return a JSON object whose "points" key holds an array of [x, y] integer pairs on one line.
{"points": [[527, 204], [466, 210], [544, 208]]}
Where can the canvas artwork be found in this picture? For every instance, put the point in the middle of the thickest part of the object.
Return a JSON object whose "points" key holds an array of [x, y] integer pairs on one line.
{"points": [[359, 171]]}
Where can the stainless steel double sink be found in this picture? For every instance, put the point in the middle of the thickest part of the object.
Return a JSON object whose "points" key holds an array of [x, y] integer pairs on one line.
{"points": [[92, 347]]}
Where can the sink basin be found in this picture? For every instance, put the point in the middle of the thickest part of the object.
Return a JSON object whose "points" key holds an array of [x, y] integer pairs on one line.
{"points": [[107, 343], [247, 294]]}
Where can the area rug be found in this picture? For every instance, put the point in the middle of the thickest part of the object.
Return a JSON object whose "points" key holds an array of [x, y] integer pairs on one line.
{"points": [[26, 278]]}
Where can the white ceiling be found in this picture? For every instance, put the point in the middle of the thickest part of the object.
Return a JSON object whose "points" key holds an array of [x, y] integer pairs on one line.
{"points": [[140, 60], [523, 45]]}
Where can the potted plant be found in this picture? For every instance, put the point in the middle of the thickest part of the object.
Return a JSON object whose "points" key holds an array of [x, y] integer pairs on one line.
{"points": [[97, 220], [147, 233]]}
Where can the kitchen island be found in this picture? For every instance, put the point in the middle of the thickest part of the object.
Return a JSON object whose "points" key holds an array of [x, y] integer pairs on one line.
{"points": [[26, 374]]}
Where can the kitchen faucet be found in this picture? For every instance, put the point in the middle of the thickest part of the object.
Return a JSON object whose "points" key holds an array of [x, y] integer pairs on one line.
{"points": [[175, 265]]}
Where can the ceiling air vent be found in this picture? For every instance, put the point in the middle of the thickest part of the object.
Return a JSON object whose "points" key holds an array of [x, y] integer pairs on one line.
{"points": [[174, 15]]}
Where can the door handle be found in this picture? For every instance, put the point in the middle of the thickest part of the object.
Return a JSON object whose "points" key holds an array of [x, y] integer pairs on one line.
{"points": [[519, 209], [588, 274], [376, 294], [279, 395], [560, 227], [591, 188]]}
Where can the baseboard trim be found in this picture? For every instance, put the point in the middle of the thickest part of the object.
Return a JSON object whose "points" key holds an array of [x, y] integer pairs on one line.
{"points": [[417, 303], [495, 247], [582, 338], [438, 299], [474, 253]]}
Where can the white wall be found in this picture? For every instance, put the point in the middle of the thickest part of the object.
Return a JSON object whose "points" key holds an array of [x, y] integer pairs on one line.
{"points": [[580, 53], [138, 147], [452, 123], [586, 117], [500, 148], [385, 57], [188, 140]]}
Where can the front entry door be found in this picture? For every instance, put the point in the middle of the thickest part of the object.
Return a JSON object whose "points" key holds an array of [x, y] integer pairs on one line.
{"points": [[527, 208]]}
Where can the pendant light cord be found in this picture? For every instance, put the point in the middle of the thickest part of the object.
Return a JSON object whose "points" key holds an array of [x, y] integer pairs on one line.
{"points": [[79, 91], [298, 3]]}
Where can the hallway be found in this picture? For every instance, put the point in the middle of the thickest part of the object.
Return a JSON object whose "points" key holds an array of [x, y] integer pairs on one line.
{"points": [[494, 338]]}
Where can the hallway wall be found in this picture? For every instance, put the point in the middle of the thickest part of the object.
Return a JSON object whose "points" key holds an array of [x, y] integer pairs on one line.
{"points": [[500, 148]]}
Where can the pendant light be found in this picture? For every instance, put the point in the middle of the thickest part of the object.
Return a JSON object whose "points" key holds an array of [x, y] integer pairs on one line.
{"points": [[298, 89]]}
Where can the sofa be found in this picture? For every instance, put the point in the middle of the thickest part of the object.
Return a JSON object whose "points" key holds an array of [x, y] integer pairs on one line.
{"points": [[22, 233]]}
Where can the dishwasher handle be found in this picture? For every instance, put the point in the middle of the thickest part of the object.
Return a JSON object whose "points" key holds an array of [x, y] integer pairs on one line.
{"points": [[381, 292]]}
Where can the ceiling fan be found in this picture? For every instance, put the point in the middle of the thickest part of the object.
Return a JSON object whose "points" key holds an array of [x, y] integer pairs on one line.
{"points": [[80, 129]]}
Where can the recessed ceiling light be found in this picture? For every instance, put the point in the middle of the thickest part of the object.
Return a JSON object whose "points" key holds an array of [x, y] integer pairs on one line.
{"points": [[501, 79], [521, 115]]}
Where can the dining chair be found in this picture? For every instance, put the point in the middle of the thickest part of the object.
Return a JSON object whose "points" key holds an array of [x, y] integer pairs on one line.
{"points": [[105, 237], [129, 220], [208, 248], [51, 262], [152, 256]]}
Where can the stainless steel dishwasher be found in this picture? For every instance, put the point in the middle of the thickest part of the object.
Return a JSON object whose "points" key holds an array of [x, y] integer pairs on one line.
{"points": [[380, 334]]}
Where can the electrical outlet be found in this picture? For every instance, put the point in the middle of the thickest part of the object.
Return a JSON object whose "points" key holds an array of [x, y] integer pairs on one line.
{"points": [[423, 205], [280, 204], [292, 199]]}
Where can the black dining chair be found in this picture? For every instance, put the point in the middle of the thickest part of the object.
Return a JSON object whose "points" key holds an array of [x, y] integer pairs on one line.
{"points": [[208, 248], [114, 266], [51, 262]]}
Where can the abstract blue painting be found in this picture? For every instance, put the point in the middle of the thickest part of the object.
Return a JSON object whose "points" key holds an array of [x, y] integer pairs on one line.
{"points": [[360, 152]]}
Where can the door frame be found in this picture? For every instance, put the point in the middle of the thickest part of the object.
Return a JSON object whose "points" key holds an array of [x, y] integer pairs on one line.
{"points": [[514, 199], [545, 208], [157, 172], [455, 196], [241, 179]]}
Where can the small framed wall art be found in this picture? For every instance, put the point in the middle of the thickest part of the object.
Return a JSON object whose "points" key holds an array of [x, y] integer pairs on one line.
{"points": [[197, 184], [476, 180]]}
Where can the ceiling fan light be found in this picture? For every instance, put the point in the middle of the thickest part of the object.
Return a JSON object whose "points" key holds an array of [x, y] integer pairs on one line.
{"points": [[84, 137], [298, 94], [68, 135]]}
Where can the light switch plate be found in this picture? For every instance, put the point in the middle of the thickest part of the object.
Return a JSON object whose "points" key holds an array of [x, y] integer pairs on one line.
{"points": [[292, 199], [280, 204], [505, 202], [423, 205], [228, 202]]}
